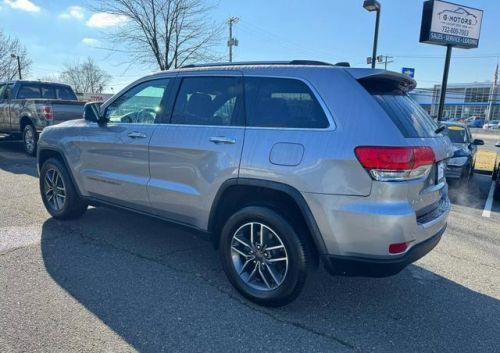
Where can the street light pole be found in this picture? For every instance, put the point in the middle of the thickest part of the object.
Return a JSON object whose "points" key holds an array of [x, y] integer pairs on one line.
{"points": [[14, 56], [374, 5]]}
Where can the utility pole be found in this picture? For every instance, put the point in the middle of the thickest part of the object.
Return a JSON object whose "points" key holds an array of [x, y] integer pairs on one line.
{"points": [[387, 61], [232, 41]]}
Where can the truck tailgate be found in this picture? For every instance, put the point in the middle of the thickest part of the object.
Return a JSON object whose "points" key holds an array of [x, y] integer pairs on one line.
{"points": [[67, 110]]}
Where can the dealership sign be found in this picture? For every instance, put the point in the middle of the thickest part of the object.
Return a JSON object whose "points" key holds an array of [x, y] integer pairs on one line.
{"points": [[445, 23]]}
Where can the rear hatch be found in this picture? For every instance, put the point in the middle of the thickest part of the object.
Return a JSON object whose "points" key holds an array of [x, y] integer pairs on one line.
{"points": [[427, 194]]}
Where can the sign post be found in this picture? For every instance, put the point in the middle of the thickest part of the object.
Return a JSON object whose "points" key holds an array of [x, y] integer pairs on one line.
{"points": [[451, 25]]}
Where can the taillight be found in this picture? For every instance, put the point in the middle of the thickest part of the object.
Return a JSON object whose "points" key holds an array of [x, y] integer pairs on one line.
{"points": [[47, 112], [396, 163]]}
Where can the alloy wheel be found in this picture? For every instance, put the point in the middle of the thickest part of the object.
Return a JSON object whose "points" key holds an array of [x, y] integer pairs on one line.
{"points": [[259, 256], [29, 140], [54, 189]]}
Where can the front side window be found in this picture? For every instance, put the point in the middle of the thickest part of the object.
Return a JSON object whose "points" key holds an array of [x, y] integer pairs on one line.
{"points": [[142, 104], [209, 101], [282, 102]]}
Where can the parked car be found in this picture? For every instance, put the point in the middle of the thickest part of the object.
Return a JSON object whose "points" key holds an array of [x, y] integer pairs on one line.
{"points": [[27, 107], [283, 165], [461, 166], [476, 123], [492, 124]]}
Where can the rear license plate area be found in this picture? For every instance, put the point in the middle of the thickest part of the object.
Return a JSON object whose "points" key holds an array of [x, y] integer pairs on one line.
{"points": [[440, 168]]}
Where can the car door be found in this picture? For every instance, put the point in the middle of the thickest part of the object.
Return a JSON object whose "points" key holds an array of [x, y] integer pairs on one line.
{"points": [[199, 149], [114, 156]]}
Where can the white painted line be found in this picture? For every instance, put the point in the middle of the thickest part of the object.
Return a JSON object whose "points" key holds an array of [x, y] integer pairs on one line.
{"points": [[489, 201]]}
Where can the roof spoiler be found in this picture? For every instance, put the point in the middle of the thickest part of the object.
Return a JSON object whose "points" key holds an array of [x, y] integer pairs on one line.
{"points": [[381, 81]]}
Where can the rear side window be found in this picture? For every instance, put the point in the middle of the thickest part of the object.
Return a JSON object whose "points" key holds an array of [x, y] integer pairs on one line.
{"points": [[410, 118], [65, 93], [29, 92], [209, 101], [282, 102]]}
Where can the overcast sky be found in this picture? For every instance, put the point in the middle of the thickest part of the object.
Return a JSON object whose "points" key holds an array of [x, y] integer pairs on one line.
{"points": [[63, 31]]}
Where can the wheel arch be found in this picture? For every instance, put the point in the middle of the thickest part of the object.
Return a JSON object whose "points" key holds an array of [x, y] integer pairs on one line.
{"points": [[237, 193], [44, 154], [23, 121]]}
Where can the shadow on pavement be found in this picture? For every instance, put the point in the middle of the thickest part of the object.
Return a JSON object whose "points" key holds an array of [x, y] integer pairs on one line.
{"points": [[162, 288], [473, 194], [14, 160]]}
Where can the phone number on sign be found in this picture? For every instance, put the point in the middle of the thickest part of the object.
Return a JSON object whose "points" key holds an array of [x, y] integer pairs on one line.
{"points": [[456, 31]]}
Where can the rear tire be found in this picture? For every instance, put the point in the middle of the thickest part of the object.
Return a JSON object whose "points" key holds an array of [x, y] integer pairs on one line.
{"points": [[58, 192], [275, 281], [30, 139]]}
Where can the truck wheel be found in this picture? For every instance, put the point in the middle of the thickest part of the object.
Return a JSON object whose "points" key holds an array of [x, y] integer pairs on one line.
{"points": [[30, 139], [58, 192], [263, 256]]}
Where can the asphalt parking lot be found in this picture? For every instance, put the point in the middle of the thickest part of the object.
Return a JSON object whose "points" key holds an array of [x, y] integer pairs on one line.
{"points": [[118, 282]]}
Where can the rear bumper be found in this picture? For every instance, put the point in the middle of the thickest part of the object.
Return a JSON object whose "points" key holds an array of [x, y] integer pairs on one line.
{"points": [[370, 267]]}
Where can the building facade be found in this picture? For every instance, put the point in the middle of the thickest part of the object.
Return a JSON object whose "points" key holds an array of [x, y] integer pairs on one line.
{"points": [[462, 101]]}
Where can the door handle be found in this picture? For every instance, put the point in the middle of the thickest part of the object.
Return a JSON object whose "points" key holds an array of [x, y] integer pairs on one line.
{"points": [[222, 140], [136, 135]]}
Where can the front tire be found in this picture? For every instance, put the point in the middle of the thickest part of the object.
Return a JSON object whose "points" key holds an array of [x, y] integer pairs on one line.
{"points": [[263, 256], [30, 139], [58, 192]]}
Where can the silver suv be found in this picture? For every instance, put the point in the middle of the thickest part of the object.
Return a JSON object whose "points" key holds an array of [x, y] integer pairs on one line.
{"points": [[284, 165]]}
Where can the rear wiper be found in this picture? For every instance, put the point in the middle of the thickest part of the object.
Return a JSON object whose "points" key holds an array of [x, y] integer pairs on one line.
{"points": [[439, 129]]}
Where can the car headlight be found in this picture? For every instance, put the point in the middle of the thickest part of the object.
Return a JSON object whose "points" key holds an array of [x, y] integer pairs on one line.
{"points": [[457, 161]]}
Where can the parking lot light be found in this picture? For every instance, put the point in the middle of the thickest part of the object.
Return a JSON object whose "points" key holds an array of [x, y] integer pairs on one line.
{"points": [[374, 5]]}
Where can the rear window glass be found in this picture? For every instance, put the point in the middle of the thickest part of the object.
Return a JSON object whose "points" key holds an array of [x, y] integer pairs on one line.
{"points": [[65, 93], [410, 118], [280, 102], [457, 134], [44, 91]]}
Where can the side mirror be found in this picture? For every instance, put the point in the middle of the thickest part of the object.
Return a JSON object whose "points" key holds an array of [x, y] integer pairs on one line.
{"points": [[497, 144], [478, 142], [92, 112]]}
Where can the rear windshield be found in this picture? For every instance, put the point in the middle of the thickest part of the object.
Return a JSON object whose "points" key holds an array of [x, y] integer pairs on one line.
{"points": [[45, 91], [456, 134], [410, 118]]}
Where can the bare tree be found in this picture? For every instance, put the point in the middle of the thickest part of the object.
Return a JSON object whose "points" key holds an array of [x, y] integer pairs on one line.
{"points": [[167, 33], [8, 65], [85, 77]]}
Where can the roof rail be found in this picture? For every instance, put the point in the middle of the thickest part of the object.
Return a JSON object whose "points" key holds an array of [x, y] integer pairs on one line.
{"points": [[292, 62]]}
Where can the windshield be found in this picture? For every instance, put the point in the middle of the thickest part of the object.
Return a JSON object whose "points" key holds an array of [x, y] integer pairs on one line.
{"points": [[456, 134]]}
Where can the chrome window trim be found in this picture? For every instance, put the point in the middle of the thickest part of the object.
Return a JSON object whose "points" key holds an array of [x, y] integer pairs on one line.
{"points": [[231, 73]]}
